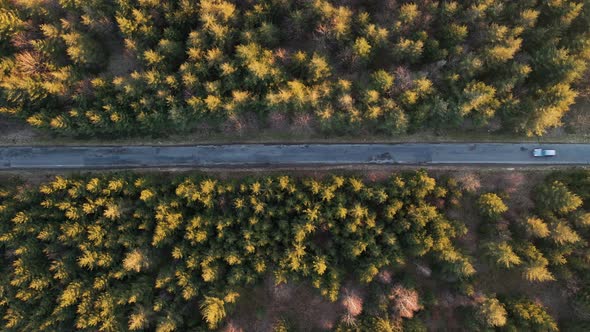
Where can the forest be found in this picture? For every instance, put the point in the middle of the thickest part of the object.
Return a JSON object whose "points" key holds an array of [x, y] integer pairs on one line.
{"points": [[180, 252], [102, 68]]}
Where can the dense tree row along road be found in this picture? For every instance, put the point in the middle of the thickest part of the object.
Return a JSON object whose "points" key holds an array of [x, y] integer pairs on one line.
{"points": [[91, 157]]}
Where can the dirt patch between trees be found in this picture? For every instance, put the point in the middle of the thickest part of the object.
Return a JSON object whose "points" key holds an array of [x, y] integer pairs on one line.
{"points": [[299, 305], [16, 132]]}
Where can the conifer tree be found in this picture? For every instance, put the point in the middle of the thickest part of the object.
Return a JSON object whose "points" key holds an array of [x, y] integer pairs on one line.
{"points": [[492, 312], [491, 206], [501, 254], [556, 197]]}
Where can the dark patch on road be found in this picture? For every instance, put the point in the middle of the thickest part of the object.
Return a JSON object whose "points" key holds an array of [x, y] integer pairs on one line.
{"points": [[382, 158]]}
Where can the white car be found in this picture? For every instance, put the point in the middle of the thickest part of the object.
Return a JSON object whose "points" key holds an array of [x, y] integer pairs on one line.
{"points": [[538, 152]]}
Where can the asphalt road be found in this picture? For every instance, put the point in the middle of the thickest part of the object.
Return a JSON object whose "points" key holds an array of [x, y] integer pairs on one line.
{"points": [[93, 157]]}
